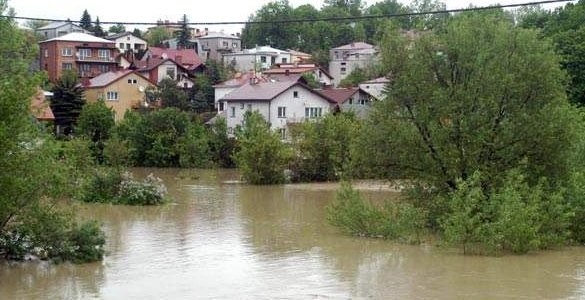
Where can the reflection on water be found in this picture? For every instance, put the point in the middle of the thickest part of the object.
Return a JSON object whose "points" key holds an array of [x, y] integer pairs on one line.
{"points": [[221, 239]]}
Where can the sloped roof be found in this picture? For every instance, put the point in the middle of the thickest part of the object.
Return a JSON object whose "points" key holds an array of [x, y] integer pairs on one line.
{"points": [[80, 37], [108, 78], [54, 25], [119, 35], [147, 65], [214, 35], [241, 79], [267, 91], [339, 95], [188, 58], [355, 46], [296, 70]]}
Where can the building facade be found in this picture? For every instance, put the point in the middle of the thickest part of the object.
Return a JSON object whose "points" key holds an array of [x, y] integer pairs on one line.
{"points": [[258, 59], [344, 59], [57, 29], [85, 54], [126, 41]]}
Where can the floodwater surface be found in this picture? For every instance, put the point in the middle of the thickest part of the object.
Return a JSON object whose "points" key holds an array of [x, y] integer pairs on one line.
{"points": [[220, 239]]}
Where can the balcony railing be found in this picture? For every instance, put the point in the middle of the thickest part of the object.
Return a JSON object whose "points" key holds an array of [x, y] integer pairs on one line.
{"points": [[107, 59]]}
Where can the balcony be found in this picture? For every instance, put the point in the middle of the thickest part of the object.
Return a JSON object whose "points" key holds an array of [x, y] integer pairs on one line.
{"points": [[96, 59]]}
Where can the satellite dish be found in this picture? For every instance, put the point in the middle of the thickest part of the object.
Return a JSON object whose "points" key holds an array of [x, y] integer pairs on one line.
{"points": [[141, 89]]}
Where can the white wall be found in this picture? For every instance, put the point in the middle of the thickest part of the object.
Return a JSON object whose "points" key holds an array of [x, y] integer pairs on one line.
{"points": [[132, 40], [220, 92], [374, 89], [245, 62], [295, 107], [241, 107], [162, 70]]}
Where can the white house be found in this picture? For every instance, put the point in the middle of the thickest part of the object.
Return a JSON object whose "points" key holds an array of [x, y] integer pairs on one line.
{"points": [[375, 87], [320, 74], [344, 59], [352, 99], [157, 69], [281, 103], [233, 84], [259, 58], [127, 41], [57, 29]]}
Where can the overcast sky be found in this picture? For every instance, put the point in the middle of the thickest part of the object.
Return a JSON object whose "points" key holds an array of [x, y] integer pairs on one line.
{"points": [[173, 10]]}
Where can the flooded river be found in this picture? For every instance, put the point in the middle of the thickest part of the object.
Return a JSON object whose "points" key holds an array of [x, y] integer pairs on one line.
{"points": [[224, 240]]}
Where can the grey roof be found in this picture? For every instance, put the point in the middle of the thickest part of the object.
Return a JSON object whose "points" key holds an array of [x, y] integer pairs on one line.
{"points": [[80, 37], [117, 35], [355, 46], [377, 80], [56, 25], [105, 79], [214, 35]]}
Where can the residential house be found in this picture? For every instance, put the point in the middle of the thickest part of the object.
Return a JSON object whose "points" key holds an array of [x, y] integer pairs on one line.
{"points": [[344, 59], [186, 58], [57, 29], [85, 54], [298, 57], [317, 72], [214, 45], [281, 103], [121, 90], [228, 86], [375, 87], [171, 27], [352, 99], [259, 59], [157, 69], [126, 41], [41, 107]]}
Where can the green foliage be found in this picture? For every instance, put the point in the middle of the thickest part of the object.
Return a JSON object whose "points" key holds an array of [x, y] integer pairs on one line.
{"points": [[202, 95], [194, 148], [95, 123], [155, 36], [221, 147], [322, 147], [356, 216], [108, 185], [184, 34], [97, 28], [261, 156], [85, 21], [171, 95], [357, 76], [517, 217], [67, 101], [117, 28]]}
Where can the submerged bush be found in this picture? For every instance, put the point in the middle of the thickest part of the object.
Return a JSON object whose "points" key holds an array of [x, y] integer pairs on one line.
{"points": [[111, 186], [394, 220]]}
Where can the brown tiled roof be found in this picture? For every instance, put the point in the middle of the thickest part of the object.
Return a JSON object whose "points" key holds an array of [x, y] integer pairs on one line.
{"points": [[108, 78], [266, 91], [241, 79], [339, 95], [188, 58]]}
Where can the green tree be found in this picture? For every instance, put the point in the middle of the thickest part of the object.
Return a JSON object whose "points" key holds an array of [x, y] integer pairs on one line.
{"points": [[137, 33], [184, 34], [85, 21], [220, 145], [67, 101], [97, 28], [171, 95], [278, 35], [261, 156], [155, 36], [96, 122], [357, 76], [117, 28], [32, 176]]}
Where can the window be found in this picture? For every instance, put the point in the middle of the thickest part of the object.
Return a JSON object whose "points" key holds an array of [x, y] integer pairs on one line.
{"points": [[232, 111], [46, 52], [84, 53], [225, 44], [282, 112], [336, 55], [66, 52], [128, 46], [295, 94], [284, 60], [132, 81], [241, 105], [221, 108], [313, 112], [263, 59], [112, 96], [84, 67], [350, 100], [121, 46], [282, 133], [234, 45], [104, 54], [171, 72], [67, 66], [343, 70], [249, 107]]}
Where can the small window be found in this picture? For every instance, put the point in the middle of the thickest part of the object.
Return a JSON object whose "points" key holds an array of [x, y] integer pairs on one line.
{"points": [[112, 96], [130, 81], [234, 45], [67, 66], [233, 111], [263, 59], [46, 51], [121, 46], [350, 100], [343, 70], [284, 60], [85, 67], [171, 72], [282, 112], [295, 94], [241, 105], [225, 44], [313, 112], [249, 107], [282, 133]]}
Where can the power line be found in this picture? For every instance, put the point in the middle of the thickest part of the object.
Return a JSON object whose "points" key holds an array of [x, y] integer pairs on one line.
{"points": [[328, 19]]}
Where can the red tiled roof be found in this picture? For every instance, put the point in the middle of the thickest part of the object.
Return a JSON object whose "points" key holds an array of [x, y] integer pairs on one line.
{"points": [[108, 78], [242, 79], [185, 57], [339, 95]]}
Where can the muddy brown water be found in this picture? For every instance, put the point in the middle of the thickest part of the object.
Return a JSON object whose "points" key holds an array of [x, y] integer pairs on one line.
{"points": [[221, 239]]}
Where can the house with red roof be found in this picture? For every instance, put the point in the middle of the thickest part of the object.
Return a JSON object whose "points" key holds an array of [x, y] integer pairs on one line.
{"points": [[320, 74], [280, 102], [159, 68], [352, 99], [186, 58], [121, 90]]}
